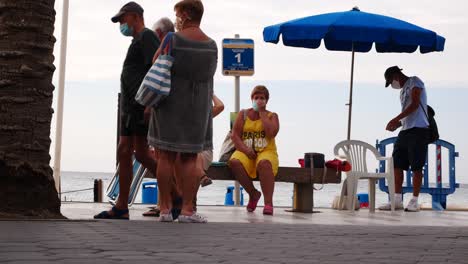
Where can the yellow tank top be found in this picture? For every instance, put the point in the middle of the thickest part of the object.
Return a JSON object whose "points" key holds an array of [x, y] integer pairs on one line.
{"points": [[254, 136]]}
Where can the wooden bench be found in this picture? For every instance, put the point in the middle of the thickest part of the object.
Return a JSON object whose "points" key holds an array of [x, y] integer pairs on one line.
{"points": [[303, 179]]}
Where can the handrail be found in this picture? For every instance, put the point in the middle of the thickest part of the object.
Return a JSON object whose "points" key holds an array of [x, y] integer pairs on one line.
{"points": [[81, 190]]}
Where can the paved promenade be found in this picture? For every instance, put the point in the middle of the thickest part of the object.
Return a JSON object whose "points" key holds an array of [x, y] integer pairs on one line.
{"points": [[326, 237]]}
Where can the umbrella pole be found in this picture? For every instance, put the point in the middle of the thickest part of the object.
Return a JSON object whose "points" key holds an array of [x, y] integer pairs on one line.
{"points": [[350, 103]]}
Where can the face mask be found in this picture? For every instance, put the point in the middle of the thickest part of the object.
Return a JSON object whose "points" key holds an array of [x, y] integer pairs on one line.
{"points": [[126, 30], [396, 84], [179, 24], [255, 105]]}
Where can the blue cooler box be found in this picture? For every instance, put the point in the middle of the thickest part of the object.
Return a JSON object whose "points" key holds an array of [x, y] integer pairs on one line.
{"points": [[229, 198], [149, 193]]}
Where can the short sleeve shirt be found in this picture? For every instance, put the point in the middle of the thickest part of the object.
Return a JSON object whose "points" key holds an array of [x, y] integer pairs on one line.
{"points": [[137, 63], [417, 118]]}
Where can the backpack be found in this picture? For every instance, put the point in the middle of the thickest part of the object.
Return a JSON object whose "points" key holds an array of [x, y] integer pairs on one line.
{"points": [[433, 130]]}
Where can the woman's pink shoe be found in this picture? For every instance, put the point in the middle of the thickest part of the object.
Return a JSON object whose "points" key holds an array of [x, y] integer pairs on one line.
{"points": [[268, 210], [252, 205]]}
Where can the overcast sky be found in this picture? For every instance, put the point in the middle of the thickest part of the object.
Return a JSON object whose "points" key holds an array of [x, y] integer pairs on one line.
{"points": [[96, 48], [311, 119]]}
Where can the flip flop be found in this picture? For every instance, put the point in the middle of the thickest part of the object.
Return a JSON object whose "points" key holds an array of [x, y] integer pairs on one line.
{"points": [[205, 181], [268, 210], [153, 212], [118, 214]]}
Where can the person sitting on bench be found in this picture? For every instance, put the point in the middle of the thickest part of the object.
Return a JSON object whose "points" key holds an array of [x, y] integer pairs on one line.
{"points": [[254, 135]]}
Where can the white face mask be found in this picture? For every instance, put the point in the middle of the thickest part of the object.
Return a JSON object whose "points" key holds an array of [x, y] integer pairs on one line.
{"points": [[396, 84], [179, 24]]}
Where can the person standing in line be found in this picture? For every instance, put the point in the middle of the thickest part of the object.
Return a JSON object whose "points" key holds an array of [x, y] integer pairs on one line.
{"points": [[162, 27], [410, 149], [204, 161], [133, 120], [181, 126]]}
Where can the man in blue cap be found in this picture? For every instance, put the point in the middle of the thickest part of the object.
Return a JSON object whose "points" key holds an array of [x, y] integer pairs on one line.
{"points": [[410, 149], [133, 118]]}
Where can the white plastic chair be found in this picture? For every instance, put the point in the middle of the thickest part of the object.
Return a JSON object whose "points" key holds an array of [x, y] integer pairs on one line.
{"points": [[355, 151]]}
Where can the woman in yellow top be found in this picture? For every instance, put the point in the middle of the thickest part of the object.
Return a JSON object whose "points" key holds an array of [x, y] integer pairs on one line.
{"points": [[254, 135]]}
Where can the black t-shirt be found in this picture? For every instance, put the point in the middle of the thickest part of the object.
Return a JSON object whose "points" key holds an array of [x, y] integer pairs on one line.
{"points": [[137, 63]]}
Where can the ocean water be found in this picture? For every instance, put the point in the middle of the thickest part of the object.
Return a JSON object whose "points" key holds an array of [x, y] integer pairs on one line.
{"points": [[214, 194]]}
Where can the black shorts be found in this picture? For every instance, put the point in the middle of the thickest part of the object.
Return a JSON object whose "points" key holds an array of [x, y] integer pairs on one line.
{"points": [[410, 149], [133, 123]]}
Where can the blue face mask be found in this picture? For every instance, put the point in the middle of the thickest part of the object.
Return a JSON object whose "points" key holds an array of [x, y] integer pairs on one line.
{"points": [[126, 30], [255, 105]]}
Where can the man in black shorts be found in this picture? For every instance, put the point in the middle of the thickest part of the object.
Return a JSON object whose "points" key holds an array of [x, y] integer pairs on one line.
{"points": [[133, 117], [410, 149]]}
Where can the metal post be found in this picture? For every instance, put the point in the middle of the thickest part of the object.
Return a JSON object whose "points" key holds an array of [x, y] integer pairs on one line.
{"points": [[350, 103], [439, 166], [61, 86], [237, 109], [118, 131], [97, 191]]}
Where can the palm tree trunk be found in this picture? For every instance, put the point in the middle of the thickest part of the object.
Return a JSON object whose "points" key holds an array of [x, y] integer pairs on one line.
{"points": [[26, 69]]}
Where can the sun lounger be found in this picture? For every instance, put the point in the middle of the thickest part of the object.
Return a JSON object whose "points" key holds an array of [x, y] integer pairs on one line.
{"points": [[139, 172]]}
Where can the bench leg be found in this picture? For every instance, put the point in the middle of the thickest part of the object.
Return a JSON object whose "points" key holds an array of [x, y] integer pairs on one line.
{"points": [[303, 198], [372, 183]]}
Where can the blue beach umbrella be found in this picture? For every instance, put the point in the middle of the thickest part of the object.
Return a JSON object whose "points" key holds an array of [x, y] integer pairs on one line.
{"points": [[354, 31]]}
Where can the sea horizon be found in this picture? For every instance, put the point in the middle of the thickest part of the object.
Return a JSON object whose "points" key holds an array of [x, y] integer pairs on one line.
{"points": [[215, 193], [312, 114]]}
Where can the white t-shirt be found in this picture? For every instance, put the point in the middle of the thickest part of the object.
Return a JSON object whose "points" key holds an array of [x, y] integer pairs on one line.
{"points": [[417, 118]]}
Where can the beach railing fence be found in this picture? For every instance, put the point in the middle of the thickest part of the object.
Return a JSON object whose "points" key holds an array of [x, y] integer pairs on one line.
{"points": [[439, 191]]}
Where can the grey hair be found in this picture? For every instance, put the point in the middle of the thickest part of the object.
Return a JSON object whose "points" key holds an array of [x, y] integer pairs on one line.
{"points": [[164, 24]]}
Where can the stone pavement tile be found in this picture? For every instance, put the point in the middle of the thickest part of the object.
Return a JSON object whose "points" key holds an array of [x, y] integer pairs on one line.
{"points": [[116, 252], [77, 255], [26, 256], [143, 242], [434, 258], [244, 261], [329, 261], [26, 262], [61, 242], [24, 248], [132, 258], [56, 251], [86, 261]]}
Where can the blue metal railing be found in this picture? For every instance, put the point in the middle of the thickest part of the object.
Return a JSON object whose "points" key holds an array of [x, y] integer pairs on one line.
{"points": [[438, 192]]}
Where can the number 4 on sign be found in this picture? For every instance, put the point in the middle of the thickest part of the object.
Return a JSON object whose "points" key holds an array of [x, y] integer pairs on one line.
{"points": [[238, 57]]}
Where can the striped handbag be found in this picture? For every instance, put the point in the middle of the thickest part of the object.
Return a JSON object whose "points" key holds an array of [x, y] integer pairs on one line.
{"points": [[157, 83]]}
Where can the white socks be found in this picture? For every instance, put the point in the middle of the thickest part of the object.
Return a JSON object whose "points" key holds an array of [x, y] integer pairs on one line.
{"points": [[415, 198]]}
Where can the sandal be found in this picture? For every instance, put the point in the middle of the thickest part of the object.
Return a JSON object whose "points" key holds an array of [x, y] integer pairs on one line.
{"points": [[205, 181], [252, 205], [117, 214], [153, 212], [268, 209]]}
